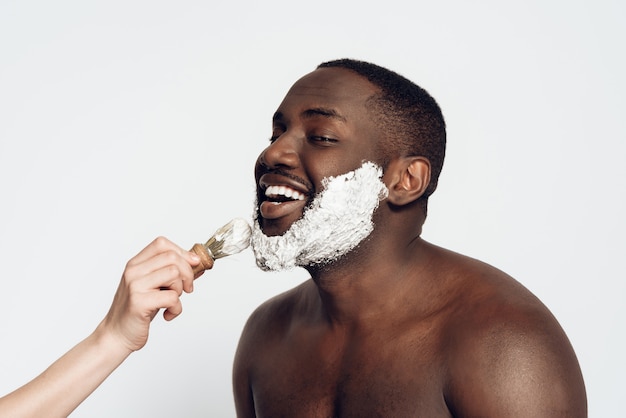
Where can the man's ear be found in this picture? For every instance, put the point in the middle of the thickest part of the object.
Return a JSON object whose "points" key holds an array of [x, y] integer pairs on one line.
{"points": [[407, 179]]}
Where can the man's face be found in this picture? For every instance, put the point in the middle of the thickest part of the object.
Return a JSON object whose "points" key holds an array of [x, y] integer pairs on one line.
{"points": [[321, 129]]}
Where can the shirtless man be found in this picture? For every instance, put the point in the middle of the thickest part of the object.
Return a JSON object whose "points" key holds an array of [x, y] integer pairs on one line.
{"points": [[389, 324]]}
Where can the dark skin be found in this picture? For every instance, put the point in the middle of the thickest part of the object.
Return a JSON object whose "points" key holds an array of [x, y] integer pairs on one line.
{"points": [[398, 327]]}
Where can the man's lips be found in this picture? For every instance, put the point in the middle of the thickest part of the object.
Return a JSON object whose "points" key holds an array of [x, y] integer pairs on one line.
{"points": [[280, 196], [275, 210]]}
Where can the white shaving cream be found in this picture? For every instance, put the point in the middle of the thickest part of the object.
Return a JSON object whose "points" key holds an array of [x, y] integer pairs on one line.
{"points": [[338, 219]]}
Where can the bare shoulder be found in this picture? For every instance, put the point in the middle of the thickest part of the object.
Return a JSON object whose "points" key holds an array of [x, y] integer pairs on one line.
{"points": [[274, 315], [268, 322], [507, 354], [261, 334]]}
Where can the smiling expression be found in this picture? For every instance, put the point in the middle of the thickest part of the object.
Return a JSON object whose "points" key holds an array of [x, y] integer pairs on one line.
{"points": [[321, 129]]}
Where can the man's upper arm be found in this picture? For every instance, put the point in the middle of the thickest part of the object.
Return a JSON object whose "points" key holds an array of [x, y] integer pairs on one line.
{"points": [[518, 373], [242, 389], [244, 402]]}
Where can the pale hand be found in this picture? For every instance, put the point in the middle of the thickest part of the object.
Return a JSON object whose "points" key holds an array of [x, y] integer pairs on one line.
{"points": [[153, 279]]}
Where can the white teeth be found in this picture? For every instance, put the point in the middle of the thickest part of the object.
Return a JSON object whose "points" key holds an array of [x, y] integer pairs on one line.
{"points": [[284, 191]]}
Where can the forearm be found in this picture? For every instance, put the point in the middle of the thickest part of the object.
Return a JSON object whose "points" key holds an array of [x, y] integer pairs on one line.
{"points": [[154, 279], [68, 381]]}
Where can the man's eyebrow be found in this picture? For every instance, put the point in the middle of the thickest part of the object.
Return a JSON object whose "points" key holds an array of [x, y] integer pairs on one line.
{"points": [[313, 112], [322, 111]]}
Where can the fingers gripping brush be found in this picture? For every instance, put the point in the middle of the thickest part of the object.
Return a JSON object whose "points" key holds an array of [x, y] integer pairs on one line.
{"points": [[230, 239]]}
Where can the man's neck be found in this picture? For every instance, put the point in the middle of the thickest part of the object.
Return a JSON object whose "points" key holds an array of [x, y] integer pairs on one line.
{"points": [[371, 284]]}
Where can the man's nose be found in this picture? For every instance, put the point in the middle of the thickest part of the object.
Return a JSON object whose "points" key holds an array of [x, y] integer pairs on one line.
{"points": [[282, 153]]}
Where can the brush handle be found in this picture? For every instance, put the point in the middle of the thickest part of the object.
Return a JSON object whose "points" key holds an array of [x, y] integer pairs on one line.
{"points": [[206, 261]]}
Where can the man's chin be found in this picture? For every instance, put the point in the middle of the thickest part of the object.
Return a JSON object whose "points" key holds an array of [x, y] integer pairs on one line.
{"points": [[277, 226], [272, 230], [269, 254]]}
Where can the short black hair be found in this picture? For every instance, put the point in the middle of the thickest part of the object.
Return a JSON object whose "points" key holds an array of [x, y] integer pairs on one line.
{"points": [[410, 117]]}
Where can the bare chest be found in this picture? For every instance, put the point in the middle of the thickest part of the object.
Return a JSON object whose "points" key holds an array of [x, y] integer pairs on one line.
{"points": [[384, 376]]}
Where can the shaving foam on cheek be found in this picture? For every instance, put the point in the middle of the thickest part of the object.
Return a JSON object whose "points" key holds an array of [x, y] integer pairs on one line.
{"points": [[338, 220]]}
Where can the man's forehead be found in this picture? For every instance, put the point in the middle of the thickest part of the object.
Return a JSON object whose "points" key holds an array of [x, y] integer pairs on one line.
{"points": [[334, 82], [330, 87]]}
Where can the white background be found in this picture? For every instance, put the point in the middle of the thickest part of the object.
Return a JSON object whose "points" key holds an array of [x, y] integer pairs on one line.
{"points": [[124, 120]]}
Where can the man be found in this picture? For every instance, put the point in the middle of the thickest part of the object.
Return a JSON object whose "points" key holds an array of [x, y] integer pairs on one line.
{"points": [[388, 325]]}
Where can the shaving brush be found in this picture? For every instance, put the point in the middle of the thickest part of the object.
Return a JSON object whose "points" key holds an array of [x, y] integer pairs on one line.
{"points": [[230, 239]]}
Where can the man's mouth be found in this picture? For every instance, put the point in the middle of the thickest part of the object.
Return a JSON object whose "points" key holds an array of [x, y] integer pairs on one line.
{"points": [[282, 196], [279, 194], [281, 201]]}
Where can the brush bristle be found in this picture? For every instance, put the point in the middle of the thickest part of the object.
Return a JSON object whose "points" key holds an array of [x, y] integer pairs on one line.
{"points": [[230, 239]]}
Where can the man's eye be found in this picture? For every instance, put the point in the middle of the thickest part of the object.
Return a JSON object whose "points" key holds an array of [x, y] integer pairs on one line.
{"points": [[273, 139], [322, 139]]}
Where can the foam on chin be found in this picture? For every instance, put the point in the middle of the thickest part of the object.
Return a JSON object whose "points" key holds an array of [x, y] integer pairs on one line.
{"points": [[338, 219]]}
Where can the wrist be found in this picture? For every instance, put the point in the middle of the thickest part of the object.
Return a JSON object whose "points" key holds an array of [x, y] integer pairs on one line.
{"points": [[107, 340]]}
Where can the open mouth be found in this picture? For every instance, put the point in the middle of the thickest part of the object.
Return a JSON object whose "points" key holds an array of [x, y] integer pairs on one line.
{"points": [[280, 194], [280, 201]]}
